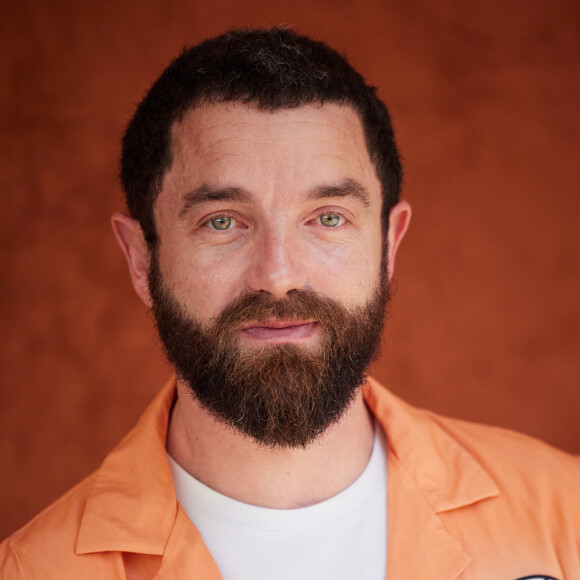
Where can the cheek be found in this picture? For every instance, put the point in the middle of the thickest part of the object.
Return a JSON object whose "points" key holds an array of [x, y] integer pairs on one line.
{"points": [[347, 272], [203, 283]]}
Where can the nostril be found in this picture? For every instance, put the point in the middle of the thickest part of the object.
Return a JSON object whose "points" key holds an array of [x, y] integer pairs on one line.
{"points": [[276, 276]]}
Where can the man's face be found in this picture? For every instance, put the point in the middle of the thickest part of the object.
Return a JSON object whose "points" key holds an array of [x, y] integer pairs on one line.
{"points": [[271, 252], [273, 202]]}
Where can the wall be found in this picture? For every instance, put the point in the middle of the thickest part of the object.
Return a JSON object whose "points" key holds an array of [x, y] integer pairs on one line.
{"points": [[485, 323]]}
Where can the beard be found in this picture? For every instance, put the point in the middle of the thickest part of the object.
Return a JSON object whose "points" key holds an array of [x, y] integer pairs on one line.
{"points": [[282, 395]]}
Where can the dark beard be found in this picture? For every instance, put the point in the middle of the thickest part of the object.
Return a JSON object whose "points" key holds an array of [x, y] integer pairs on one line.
{"points": [[282, 395]]}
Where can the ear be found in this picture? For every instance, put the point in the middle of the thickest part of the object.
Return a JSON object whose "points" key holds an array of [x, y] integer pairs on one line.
{"points": [[132, 242], [399, 219]]}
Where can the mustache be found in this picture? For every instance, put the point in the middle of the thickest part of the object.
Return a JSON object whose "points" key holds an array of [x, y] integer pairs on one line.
{"points": [[297, 305]]}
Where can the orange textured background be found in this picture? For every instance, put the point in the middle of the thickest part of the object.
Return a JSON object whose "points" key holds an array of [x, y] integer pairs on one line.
{"points": [[486, 320]]}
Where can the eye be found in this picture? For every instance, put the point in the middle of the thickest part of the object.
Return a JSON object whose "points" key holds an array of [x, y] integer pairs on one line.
{"points": [[331, 220], [220, 223]]}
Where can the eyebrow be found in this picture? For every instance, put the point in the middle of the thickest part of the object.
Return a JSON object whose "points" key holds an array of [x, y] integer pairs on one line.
{"points": [[347, 188], [206, 194]]}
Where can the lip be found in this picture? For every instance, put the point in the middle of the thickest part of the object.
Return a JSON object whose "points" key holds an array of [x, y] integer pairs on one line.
{"points": [[280, 331], [276, 324]]}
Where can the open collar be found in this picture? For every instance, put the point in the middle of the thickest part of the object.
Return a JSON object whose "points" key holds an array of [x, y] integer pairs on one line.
{"points": [[437, 464], [132, 506], [430, 472]]}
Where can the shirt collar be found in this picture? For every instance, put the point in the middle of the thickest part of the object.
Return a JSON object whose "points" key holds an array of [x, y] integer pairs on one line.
{"points": [[444, 471], [132, 506]]}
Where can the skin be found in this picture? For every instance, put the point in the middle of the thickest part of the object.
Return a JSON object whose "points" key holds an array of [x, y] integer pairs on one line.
{"points": [[274, 202]]}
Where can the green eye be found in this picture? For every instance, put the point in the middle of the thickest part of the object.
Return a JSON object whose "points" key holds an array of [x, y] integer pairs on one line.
{"points": [[330, 220], [220, 223]]}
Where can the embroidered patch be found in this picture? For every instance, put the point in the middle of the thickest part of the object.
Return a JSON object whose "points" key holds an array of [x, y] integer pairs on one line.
{"points": [[537, 578]]}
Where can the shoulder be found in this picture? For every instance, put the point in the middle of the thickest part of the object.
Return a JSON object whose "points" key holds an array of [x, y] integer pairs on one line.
{"points": [[511, 500], [45, 547], [539, 488], [505, 454], [510, 456], [535, 519], [127, 505], [451, 454]]}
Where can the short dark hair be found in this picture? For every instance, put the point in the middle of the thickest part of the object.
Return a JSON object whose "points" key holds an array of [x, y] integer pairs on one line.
{"points": [[271, 69]]}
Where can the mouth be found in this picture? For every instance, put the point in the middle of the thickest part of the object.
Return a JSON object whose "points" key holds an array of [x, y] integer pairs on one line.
{"points": [[280, 331]]}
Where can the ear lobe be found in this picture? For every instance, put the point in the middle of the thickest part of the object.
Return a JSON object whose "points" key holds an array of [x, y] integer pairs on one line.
{"points": [[399, 219], [132, 243]]}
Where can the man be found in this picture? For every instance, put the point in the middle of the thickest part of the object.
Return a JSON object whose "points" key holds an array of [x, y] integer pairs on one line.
{"points": [[263, 185]]}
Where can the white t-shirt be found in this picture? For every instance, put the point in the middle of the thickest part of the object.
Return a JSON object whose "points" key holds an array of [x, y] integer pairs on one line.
{"points": [[344, 537]]}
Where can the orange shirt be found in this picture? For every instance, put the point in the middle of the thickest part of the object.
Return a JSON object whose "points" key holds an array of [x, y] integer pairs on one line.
{"points": [[464, 501]]}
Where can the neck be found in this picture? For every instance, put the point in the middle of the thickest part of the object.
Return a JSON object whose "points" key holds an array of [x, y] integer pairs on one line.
{"points": [[235, 465]]}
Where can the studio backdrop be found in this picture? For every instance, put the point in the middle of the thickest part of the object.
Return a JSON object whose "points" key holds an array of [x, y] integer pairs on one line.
{"points": [[485, 320]]}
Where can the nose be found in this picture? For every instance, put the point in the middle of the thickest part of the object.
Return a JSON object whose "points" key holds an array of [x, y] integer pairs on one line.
{"points": [[277, 264]]}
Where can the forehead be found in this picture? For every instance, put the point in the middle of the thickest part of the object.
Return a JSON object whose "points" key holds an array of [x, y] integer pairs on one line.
{"points": [[223, 144]]}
